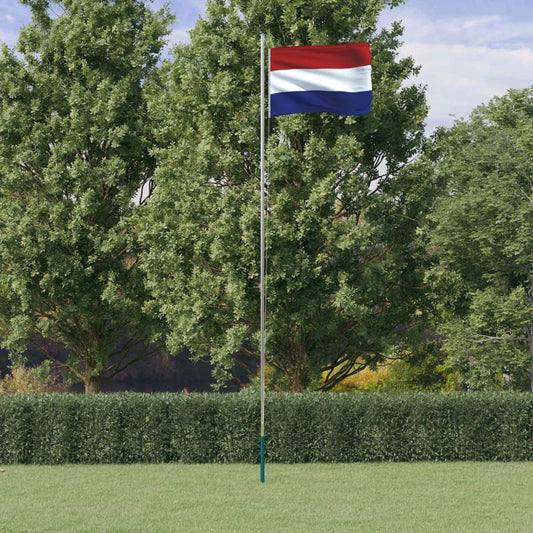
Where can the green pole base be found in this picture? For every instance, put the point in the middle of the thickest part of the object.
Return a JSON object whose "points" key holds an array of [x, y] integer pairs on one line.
{"points": [[262, 469]]}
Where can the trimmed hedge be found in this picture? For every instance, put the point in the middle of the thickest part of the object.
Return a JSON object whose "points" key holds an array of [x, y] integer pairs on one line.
{"points": [[224, 428]]}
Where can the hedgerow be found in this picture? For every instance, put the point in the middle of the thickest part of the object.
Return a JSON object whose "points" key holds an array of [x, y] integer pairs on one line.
{"points": [[224, 428]]}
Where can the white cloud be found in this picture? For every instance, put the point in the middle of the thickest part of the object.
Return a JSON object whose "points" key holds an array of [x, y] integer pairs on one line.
{"points": [[466, 61], [179, 36], [12, 17], [493, 31], [460, 77]]}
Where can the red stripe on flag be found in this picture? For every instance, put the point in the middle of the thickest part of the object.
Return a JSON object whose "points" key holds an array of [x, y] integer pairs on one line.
{"points": [[331, 56]]}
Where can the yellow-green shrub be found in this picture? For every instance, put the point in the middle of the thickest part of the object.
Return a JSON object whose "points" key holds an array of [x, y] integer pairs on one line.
{"points": [[30, 380]]}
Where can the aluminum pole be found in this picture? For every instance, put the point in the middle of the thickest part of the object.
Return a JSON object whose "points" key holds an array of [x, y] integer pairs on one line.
{"points": [[262, 259]]}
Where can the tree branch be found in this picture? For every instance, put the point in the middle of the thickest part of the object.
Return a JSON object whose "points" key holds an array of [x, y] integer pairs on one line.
{"points": [[488, 338]]}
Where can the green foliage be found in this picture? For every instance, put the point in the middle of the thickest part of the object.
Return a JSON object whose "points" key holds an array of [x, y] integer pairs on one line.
{"points": [[425, 374], [311, 427], [480, 235], [342, 216], [74, 149], [424, 369]]}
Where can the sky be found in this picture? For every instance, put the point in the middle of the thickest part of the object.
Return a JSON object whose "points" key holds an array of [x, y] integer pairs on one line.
{"points": [[469, 50]]}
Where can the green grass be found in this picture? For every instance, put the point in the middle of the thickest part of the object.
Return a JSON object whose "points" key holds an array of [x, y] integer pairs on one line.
{"points": [[381, 497]]}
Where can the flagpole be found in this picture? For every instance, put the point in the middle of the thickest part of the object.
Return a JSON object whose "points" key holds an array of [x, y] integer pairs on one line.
{"points": [[262, 259]]}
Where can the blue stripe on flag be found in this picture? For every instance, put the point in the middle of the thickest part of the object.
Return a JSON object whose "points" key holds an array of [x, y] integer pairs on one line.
{"points": [[340, 103]]}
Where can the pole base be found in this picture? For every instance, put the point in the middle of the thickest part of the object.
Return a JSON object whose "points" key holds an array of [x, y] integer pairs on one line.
{"points": [[262, 468]]}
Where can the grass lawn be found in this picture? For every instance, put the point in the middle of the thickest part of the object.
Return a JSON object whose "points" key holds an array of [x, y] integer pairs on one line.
{"points": [[380, 497]]}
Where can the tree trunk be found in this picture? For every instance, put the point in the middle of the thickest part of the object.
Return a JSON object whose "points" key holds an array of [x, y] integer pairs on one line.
{"points": [[296, 376], [295, 383], [92, 384]]}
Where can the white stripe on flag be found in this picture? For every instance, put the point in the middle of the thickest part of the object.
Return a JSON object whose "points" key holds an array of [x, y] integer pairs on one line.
{"points": [[325, 79]]}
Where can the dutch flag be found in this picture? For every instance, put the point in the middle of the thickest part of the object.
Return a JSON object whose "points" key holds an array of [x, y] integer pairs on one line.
{"points": [[316, 79]]}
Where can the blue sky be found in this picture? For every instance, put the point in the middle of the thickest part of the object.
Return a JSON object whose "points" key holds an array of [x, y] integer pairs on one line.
{"points": [[469, 50]]}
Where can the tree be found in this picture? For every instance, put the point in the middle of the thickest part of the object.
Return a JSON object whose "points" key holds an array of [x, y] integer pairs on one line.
{"points": [[342, 275], [74, 149], [481, 235]]}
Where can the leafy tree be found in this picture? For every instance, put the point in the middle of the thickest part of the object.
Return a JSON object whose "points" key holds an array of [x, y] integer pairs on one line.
{"points": [[74, 141], [481, 235], [341, 221]]}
